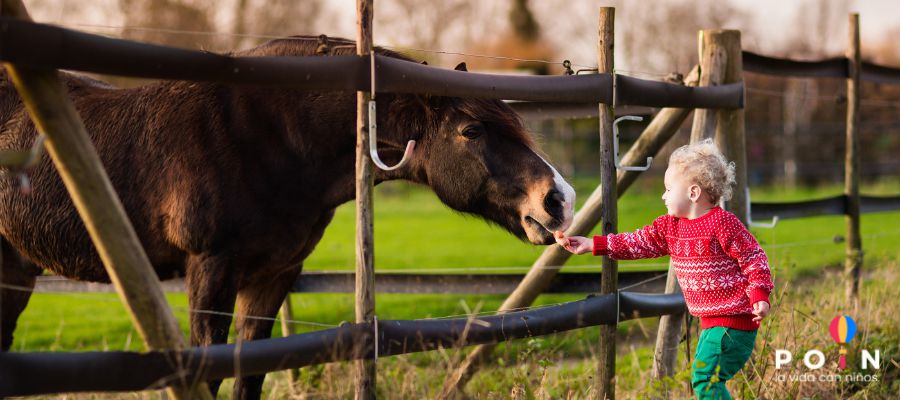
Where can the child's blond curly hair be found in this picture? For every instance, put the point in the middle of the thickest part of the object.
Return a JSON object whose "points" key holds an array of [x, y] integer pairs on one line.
{"points": [[704, 165]]}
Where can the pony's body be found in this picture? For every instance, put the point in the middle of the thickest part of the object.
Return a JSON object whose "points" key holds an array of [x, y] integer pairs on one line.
{"points": [[232, 187]]}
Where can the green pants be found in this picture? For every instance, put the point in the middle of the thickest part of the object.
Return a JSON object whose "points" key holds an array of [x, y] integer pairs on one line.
{"points": [[721, 352]]}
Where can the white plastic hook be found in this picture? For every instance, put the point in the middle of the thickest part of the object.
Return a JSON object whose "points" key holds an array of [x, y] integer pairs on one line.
{"points": [[373, 136], [767, 225], [616, 144]]}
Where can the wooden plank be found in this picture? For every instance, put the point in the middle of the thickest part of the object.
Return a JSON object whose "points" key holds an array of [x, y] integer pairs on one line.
{"points": [[712, 73], [854, 256], [667, 338], [730, 123], [540, 111], [74, 156], [609, 221], [79, 51], [287, 329], [717, 54], [364, 368]]}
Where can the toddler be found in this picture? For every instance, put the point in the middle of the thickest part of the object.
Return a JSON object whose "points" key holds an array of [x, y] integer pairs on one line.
{"points": [[723, 272]]}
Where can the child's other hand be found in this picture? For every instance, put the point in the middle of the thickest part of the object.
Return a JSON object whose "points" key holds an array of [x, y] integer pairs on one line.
{"points": [[760, 310], [574, 244]]}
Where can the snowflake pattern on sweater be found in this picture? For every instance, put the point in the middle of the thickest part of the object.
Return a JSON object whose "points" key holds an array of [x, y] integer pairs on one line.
{"points": [[721, 268]]}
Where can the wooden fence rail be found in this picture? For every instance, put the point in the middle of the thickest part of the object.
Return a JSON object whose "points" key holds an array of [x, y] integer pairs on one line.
{"points": [[78, 51], [41, 373], [835, 67]]}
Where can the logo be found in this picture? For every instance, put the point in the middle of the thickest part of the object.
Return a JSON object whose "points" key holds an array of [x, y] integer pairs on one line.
{"points": [[842, 330]]}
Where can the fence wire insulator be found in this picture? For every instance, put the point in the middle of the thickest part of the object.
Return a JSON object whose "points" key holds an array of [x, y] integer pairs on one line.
{"points": [[323, 49], [568, 66], [675, 77]]}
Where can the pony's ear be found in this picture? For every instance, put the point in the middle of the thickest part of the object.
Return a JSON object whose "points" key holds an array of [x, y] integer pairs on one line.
{"points": [[424, 63], [461, 67]]}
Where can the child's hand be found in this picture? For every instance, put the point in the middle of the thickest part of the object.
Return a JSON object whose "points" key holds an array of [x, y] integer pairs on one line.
{"points": [[574, 244], [760, 310]]}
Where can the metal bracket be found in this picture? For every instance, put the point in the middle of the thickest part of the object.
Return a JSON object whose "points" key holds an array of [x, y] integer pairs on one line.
{"points": [[767, 225], [373, 136], [616, 144]]}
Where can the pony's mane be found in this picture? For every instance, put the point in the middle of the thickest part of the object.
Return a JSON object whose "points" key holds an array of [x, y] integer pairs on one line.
{"points": [[306, 45]]}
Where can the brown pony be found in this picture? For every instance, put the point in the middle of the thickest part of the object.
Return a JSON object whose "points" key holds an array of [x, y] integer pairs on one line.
{"points": [[233, 186]]}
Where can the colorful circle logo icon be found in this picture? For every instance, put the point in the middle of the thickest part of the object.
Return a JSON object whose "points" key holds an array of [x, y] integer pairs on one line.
{"points": [[842, 330]]}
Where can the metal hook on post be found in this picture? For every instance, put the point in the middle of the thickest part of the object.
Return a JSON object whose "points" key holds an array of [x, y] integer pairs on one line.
{"points": [[767, 225], [373, 136], [616, 144]]}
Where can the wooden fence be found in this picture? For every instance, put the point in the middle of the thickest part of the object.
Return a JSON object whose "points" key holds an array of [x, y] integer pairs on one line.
{"points": [[48, 47]]}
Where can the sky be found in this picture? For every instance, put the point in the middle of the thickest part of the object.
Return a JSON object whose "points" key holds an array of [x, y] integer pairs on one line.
{"points": [[771, 19], [876, 16]]}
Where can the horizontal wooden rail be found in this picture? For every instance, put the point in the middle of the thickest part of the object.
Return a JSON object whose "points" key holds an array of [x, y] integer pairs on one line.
{"points": [[343, 282], [539, 111], [46, 46], [34, 373], [836, 205], [836, 67]]}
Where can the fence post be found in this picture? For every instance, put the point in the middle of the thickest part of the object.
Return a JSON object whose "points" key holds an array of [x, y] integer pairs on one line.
{"points": [[76, 159], [365, 251], [730, 135], [287, 329], [668, 335], [720, 63], [854, 257], [663, 126], [606, 369]]}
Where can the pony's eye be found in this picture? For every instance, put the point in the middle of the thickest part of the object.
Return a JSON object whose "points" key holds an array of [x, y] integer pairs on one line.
{"points": [[473, 131]]}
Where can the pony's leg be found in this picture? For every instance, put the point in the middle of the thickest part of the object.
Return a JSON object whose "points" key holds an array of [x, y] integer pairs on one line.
{"points": [[18, 279], [210, 286], [260, 295]]}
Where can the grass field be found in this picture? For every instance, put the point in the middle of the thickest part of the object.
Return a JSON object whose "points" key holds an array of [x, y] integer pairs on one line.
{"points": [[415, 233]]}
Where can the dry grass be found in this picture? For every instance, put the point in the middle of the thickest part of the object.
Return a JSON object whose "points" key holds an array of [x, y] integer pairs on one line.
{"points": [[798, 323], [546, 369]]}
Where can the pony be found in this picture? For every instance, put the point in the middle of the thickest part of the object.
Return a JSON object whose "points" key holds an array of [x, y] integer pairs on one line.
{"points": [[232, 186]]}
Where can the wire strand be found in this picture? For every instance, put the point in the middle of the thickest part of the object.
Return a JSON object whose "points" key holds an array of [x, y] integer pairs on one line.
{"points": [[271, 37], [89, 296], [467, 315], [189, 32]]}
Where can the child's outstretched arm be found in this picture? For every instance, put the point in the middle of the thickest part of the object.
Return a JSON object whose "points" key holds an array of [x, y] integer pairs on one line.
{"points": [[647, 242], [574, 244]]}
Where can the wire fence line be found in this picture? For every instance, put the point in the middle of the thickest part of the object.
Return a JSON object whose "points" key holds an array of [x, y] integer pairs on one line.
{"points": [[280, 37], [106, 298]]}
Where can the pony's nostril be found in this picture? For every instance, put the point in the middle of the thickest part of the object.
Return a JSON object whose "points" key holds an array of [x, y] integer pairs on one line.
{"points": [[553, 203], [557, 196]]}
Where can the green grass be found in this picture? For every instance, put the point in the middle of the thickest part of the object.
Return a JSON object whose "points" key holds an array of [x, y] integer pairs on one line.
{"points": [[414, 232]]}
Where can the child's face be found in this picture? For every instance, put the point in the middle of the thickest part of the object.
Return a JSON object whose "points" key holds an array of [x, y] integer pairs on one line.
{"points": [[677, 194]]}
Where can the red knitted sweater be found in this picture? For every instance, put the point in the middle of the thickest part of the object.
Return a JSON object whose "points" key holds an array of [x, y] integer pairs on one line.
{"points": [[720, 266]]}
